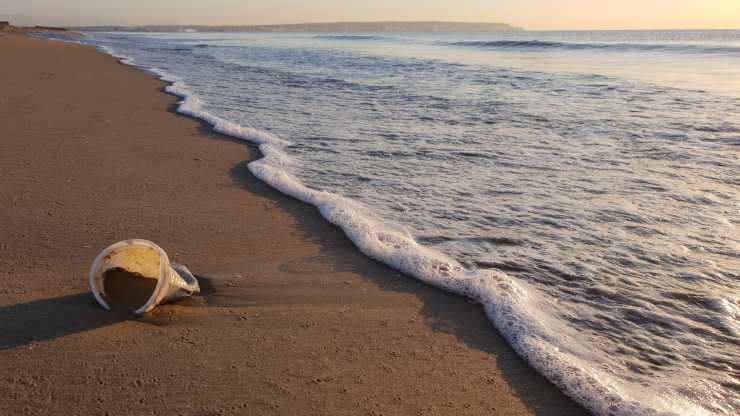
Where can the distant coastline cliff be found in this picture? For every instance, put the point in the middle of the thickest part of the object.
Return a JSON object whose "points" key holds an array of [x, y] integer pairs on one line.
{"points": [[6, 26], [323, 27]]}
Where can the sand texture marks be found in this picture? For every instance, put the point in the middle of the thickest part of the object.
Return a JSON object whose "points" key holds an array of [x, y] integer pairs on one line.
{"points": [[291, 320]]}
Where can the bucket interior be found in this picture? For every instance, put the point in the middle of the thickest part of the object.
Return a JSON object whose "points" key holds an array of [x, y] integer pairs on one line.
{"points": [[127, 276]]}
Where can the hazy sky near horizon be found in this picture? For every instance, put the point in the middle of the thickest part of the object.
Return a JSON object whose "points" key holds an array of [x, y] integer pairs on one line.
{"points": [[529, 14]]}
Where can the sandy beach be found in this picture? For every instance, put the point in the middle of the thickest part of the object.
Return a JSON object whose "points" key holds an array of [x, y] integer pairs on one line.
{"points": [[292, 319]]}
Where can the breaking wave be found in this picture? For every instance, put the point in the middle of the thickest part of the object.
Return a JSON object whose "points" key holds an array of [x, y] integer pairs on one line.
{"points": [[616, 47]]}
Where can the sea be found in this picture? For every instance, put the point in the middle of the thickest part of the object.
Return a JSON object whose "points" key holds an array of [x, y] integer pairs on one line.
{"points": [[582, 187]]}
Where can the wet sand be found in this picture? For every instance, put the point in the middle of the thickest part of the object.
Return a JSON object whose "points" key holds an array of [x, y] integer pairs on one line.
{"points": [[292, 319]]}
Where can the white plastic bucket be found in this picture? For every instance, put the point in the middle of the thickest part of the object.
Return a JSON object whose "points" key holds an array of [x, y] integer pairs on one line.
{"points": [[174, 281]]}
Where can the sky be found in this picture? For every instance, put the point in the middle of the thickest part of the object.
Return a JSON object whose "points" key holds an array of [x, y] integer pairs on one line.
{"points": [[529, 14]]}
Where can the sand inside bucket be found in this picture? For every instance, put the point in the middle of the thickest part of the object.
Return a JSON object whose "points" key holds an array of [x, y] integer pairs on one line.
{"points": [[126, 291]]}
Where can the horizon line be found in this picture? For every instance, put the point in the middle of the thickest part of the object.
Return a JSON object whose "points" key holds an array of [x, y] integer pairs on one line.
{"points": [[520, 28], [407, 21]]}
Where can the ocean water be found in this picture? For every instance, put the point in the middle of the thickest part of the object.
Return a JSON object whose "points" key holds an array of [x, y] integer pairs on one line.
{"points": [[583, 187]]}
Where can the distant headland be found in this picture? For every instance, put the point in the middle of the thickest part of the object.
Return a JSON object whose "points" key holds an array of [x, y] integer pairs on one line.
{"points": [[7, 27], [321, 27]]}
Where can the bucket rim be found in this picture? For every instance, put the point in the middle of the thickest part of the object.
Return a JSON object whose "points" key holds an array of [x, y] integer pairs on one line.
{"points": [[161, 279]]}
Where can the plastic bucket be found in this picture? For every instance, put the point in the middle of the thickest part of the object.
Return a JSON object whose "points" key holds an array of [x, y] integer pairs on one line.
{"points": [[142, 259]]}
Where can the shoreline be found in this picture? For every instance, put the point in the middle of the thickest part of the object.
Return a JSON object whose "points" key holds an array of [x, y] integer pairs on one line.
{"points": [[360, 338]]}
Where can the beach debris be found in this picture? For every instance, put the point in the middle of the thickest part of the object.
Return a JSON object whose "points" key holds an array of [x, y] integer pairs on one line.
{"points": [[136, 275]]}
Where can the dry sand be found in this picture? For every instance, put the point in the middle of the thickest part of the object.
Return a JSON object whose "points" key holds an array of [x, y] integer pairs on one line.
{"points": [[293, 320]]}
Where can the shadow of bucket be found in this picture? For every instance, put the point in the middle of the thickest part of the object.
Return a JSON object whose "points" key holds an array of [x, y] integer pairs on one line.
{"points": [[142, 259]]}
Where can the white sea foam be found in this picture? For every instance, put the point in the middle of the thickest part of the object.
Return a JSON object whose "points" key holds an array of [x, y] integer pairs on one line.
{"points": [[512, 306]]}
